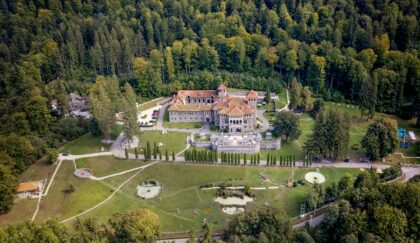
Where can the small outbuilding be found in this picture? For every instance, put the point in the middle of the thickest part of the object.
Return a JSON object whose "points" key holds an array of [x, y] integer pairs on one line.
{"points": [[30, 189]]}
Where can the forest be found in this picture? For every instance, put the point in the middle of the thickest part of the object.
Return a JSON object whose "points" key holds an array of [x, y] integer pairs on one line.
{"points": [[364, 53]]}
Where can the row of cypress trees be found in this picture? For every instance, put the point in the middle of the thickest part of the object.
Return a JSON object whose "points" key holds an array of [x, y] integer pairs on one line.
{"points": [[308, 161], [201, 156], [288, 160], [207, 156], [230, 158], [148, 152]]}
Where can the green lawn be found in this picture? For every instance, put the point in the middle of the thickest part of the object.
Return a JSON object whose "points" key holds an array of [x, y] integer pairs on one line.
{"points": [[59, 204], [105, 165], [89, 143], [171, 141], [180, 191], [270, 116], [279, 104], [22, 210], [182, 194], [183, 125]]}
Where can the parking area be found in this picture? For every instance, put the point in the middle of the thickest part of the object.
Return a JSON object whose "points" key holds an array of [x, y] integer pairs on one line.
{"points": [[148, 118]]}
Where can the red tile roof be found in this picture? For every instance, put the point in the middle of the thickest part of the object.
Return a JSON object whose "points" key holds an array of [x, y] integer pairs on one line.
{"points": [[189, 107], [252, 94], [222, 87], [29, 186], [197, 93], [230, 105]]}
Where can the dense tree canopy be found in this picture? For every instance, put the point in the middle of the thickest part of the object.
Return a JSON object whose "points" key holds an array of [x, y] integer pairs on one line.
{"points": [[364, 52], [286, 126], [368, 211], [330, 135], [380, 138]]}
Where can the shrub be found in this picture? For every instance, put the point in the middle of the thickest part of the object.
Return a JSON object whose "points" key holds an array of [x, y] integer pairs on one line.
{"points": [[355, 146]]}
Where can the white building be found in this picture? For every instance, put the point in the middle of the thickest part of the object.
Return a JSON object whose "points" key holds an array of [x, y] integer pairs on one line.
{"points": [[234, 114]]}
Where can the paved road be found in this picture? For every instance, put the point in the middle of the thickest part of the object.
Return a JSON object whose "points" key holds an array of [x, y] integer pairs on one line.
{"points": [[410, 172], [312, 222], [265, 124]]}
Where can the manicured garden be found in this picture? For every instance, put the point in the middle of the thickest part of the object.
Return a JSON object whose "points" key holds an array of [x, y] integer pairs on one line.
{"points": [[183, 125], [182, 205], [171, 141], [105, 165]]}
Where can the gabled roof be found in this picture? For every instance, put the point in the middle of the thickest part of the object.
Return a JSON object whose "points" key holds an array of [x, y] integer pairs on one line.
{"points": [[29, 186], [231, 104], [197, 93], [251, 94], [189, 107], [236, 111], [221, 87]]}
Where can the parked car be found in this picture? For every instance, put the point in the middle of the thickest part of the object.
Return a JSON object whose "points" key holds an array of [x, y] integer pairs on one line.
{"points": [[365, 160], [65, 153], [346, 159]]}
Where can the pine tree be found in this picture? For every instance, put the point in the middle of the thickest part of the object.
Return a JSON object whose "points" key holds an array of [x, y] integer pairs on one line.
{"points": [[126, 153], [167, 156], [148, 151], [173, 155], [244, 159], [130, 127], [267, 96], [136, 153], [268, 159], [258, 158], [160, 155], [102, 105], [169, 64]]}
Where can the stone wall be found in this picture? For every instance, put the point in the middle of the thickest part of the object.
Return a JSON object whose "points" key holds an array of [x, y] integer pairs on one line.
{"points": [[238, 149], [189, 116], [270, 144], [201, 144]]}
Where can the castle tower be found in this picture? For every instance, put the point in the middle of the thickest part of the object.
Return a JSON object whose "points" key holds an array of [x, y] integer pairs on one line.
{"points": [[252, 97], [222, 91]]}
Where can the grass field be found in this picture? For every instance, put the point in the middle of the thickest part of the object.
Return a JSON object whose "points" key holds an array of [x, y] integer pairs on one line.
{"points": [[105, 165], [182, 195], [171, 141], [180, 192], [89, 143], [183, 125]]}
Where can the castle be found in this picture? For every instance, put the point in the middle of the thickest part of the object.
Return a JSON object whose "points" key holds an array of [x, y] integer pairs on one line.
{"points": [[230, 113]]}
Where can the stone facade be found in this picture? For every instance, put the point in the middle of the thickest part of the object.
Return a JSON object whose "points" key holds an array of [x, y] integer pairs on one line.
{"points": [[234, 114], [245, 143]]}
